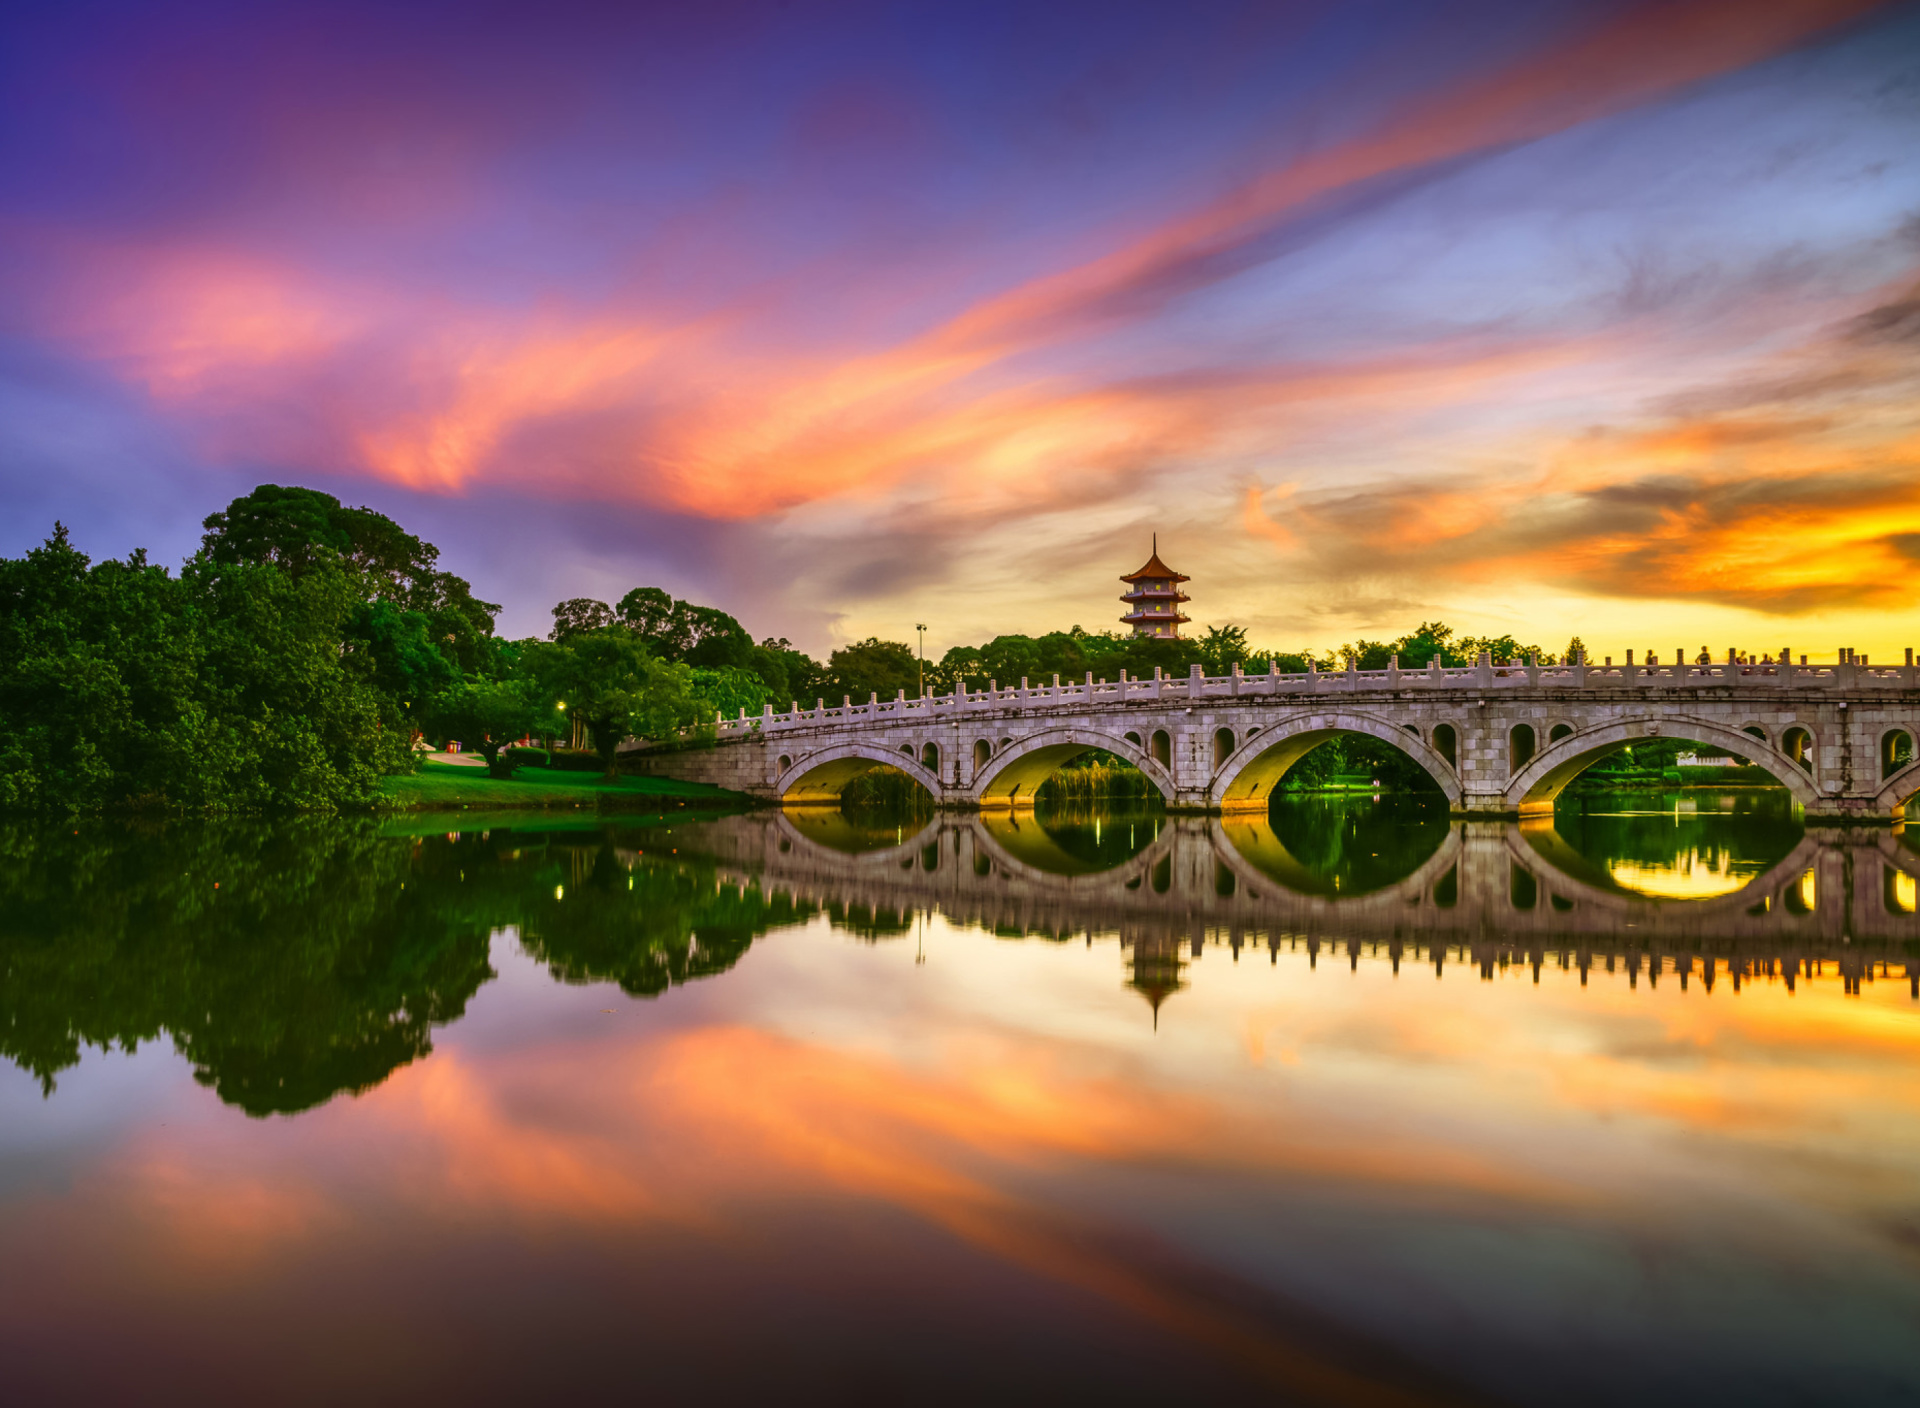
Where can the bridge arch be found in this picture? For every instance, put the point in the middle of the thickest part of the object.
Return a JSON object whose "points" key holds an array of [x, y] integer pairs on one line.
{"points": [[1246, 780], [1535, 786], [1015, 772], [818, 779]]}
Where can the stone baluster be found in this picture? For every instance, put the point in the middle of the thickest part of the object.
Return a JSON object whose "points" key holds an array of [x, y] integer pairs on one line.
{"points": [[1579, 664], [1159, 681], [1533, 668], [1393, 672], [1483, 670], [1233, 681], [1436, 672], [1313, 675], [1353, 672], [1196, 683]]}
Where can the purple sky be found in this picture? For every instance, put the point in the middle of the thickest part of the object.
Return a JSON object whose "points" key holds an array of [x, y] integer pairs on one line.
{"points": [[1545, 317]]}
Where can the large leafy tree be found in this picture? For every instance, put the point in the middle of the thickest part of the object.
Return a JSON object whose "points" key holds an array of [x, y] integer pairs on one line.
{"points": [[297, 529], [611, 684], [486, 715], [873, 666]]}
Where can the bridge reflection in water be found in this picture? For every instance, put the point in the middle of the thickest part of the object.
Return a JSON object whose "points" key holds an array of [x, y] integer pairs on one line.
{"points": [[1488, 894]]}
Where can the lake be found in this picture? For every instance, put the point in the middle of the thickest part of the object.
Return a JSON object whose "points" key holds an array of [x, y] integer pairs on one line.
{"points": [[1345, 1104]]}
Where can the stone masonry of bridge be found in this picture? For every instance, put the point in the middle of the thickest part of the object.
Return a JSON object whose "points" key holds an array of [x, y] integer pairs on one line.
{"points": [[1497, 740]]}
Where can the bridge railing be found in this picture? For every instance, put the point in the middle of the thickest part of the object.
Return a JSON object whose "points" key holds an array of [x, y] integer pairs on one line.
{"points": [[1436, 678]]}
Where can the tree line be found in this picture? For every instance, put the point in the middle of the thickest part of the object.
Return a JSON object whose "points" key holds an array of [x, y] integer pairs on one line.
{"points": [[303, 652]]}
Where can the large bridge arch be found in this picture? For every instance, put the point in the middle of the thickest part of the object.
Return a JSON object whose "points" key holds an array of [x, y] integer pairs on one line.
{"points": [[819, 778], [1014, 774], [1247, 778], [1533, 789]]}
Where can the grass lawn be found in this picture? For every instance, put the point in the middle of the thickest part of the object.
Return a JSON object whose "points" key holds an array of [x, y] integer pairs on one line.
{"points": [[445, 785]]}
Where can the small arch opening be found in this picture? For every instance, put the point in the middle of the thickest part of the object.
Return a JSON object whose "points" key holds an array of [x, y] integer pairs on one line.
{"points": [[1222, 746], [1446, 743], [1520, 747], [1896, 751], [930, 857], [1558, 732], [1797, 744], [1413, 729], [930, 757], [1133, 738], [982, 754], [1162, 878], [1162, 748], [907, 748], [1755, 731], [786, 761], [1224, 881], [1446, 890]]}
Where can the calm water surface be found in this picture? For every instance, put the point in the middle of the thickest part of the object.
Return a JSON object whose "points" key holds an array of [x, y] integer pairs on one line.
{"points": [[1344, 1105]]}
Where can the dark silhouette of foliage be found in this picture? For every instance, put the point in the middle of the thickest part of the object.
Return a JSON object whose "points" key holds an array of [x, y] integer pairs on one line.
{"points": [[291, 963]]}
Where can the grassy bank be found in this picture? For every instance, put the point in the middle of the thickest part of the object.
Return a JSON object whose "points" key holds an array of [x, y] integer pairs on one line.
{"points": [[445, 787]]}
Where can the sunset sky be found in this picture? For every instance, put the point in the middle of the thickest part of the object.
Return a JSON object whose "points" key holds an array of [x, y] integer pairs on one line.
{"points": [[1544, 317]]}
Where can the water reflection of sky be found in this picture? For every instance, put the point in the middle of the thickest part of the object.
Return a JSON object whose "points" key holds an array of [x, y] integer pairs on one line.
{"points": [[923, 1160]]}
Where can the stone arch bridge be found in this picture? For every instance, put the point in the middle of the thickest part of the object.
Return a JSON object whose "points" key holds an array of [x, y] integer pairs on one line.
{"points": [[1497, 740]]}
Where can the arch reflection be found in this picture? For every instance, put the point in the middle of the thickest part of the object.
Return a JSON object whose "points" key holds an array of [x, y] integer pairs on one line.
{"points": [[1075, 840], [1697, 847], [1335, 847]]}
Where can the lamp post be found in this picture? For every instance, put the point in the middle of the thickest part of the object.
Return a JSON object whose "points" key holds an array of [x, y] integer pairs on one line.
{"points": [[923, 660]]}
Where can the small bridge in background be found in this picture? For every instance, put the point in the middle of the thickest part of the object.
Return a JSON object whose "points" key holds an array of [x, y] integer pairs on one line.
{"points": [[1496, 740]]}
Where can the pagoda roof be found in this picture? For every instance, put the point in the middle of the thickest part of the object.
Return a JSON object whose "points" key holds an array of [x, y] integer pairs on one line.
{"points": [[1155, 568]]}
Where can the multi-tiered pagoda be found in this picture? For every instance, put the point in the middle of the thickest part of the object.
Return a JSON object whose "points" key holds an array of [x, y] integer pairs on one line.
{"points": [[1153, 598]]}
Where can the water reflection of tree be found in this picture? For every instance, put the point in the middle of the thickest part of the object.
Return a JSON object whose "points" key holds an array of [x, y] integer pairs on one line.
{"points": [[643, 922], [1102, 834], [1353, 847], [1742, 832], [309, 969], [328, 952]]}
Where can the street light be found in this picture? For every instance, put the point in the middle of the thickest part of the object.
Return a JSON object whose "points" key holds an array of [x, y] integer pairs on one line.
{"points": [[923, 660]]}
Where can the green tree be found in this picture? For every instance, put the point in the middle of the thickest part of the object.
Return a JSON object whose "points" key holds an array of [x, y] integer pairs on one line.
{"points": [[486, 715], [872, 666], [727, 692], [609, 682], [1221, 648], [578, 615]]}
